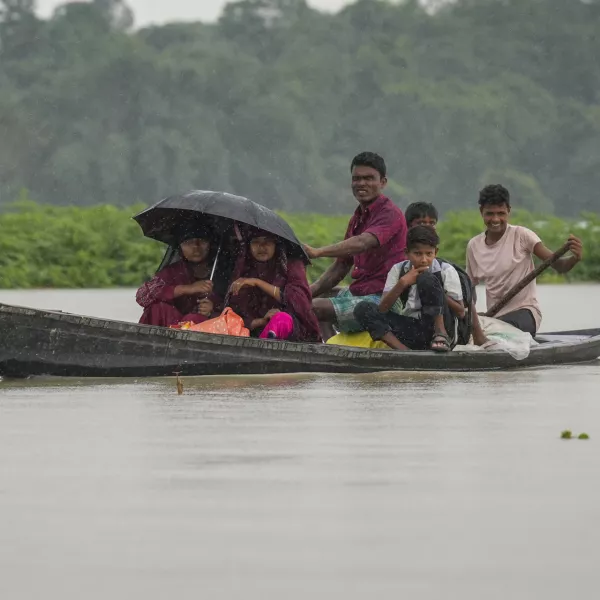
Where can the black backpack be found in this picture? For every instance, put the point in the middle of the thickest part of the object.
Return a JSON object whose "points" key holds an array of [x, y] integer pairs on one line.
{"points": [[465, 324]]}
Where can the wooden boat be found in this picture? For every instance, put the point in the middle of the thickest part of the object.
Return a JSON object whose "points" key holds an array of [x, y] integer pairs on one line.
{"points": [[38, 342]]}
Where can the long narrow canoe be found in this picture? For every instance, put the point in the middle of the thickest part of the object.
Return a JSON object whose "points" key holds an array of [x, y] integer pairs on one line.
{"points": [[38, 342]]}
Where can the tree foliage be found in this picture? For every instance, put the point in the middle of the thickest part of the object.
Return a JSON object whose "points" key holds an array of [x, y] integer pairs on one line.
{"points": [[275, 99]]}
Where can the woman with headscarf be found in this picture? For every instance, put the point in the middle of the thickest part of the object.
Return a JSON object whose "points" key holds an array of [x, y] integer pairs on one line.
{"points": [[183, 290], [270, 291]]}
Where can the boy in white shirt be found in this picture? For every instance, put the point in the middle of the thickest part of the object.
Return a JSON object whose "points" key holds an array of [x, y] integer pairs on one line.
{"points": [[431, 293]]}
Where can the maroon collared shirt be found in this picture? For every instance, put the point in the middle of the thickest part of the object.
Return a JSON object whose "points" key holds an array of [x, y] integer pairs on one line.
{"points": [[386, 222]]}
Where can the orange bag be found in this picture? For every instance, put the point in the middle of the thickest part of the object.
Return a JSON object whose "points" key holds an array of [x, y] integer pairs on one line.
{"points": [[227, 323]]}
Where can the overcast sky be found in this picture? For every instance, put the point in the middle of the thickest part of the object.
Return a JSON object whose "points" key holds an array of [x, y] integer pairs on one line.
{"points": [[160, 11]]}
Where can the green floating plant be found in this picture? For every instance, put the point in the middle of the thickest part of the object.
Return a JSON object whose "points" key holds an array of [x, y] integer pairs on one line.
{"points": [[568, 435]]}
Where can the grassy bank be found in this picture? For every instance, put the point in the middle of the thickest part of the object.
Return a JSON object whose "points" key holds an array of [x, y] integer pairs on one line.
{"points": [[72, 247]]}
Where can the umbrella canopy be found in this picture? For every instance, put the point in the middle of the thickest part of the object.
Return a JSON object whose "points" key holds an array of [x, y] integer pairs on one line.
{"points": [[217, 210]]}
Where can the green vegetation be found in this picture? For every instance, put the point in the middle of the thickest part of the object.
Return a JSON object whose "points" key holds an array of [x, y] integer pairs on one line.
{"points": [[568, 435], [272, 102], [71, 247], [101, 246], [274, 99]]}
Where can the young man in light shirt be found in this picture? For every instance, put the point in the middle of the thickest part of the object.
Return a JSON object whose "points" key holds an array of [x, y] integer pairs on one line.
{"points": [[502, 256]]}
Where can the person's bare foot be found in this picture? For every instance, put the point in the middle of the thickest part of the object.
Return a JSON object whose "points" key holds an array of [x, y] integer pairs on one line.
{"points": [[491, 345], [479, 338]]}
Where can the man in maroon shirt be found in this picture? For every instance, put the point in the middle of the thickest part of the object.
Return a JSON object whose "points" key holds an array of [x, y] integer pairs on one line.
{"points": [[375, 241]]}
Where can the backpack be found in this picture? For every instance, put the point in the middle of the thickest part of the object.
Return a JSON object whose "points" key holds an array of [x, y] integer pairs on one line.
{"points": [[464, 324]]}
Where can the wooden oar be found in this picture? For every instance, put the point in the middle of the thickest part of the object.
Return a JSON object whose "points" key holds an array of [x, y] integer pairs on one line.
{"points": [[526, 281]]}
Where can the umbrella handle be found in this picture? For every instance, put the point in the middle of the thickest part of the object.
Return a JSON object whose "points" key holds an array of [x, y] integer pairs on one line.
{"points": [[212, 273]]}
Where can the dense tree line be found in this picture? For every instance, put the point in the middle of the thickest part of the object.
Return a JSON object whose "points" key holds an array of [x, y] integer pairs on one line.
{"points": [[101, 246], [274, 99]]}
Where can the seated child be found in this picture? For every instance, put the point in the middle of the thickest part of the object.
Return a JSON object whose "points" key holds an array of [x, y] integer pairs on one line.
{"points": [[425, 213], [431, 293], [421, 213], [417, 213], [182, 291], [270, 291]]}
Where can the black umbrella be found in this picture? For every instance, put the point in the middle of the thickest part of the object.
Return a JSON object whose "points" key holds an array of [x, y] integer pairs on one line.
{"points": [[219, 211]]}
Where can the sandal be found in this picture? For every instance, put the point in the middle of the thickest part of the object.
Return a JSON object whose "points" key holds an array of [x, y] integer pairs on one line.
{"points": [[440, 343]]}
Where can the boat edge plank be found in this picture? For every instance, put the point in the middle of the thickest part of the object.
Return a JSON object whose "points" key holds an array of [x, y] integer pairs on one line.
{"points": [[41, 342]]}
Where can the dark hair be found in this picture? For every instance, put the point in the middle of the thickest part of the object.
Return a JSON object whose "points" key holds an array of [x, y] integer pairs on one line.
{"points": [[189, 231], [421, 234], [494, 195], [254, 232], [418, 210], [369, 159]]}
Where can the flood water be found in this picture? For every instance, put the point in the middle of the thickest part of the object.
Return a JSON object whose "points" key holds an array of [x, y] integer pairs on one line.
{"points": [[420, 486]]}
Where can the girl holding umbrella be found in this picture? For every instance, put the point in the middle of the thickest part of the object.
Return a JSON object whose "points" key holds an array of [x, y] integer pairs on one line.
{"points": [[182, 291]]}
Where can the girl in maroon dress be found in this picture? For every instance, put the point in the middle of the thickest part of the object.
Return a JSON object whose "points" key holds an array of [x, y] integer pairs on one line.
{"points": [[182, 291], [271, 293]]}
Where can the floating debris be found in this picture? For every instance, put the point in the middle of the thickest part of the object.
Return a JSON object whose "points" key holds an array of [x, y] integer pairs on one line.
{"points": [[568, 435], [179, 384]]}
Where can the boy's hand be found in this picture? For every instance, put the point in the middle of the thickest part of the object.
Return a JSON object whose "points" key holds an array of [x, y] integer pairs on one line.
{"points": [[271, 313], [576, 247], [411, 277]]}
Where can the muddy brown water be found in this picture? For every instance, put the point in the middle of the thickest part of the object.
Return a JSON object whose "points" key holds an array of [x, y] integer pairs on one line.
{"points": [[421, 486]]}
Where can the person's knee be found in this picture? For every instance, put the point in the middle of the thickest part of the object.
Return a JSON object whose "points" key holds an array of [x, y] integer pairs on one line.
{"points": [[430, 288], [323, 309], [157, 307], [363, 310], [427, 279], [160, 314]]}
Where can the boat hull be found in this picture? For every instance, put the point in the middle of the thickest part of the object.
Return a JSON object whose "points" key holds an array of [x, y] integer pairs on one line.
{"points": [[35, 342]]}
